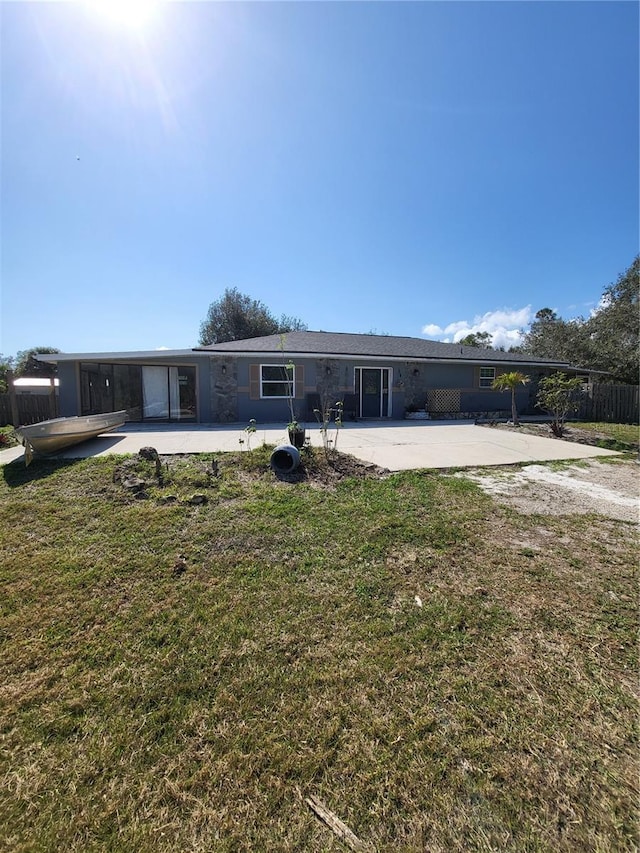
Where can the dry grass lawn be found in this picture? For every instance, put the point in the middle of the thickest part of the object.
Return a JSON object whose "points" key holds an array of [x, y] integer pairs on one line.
{"points": [[443, 672]]}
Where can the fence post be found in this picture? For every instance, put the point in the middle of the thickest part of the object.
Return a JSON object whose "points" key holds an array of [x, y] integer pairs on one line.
{"points": [[13, 400]]}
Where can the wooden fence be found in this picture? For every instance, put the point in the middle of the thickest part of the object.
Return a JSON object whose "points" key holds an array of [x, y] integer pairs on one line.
{"points": [[618, 404], [31, 408]]}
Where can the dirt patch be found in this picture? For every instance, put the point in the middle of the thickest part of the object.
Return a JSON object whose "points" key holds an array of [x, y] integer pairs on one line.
{"points": [[590, 486], [143, 476], [572, 433]]}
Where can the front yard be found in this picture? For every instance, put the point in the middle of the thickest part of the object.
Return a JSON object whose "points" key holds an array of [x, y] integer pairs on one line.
{"points": [[179, 672]]}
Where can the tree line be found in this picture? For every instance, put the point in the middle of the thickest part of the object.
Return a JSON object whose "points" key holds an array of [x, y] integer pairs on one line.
{"points": [[25, 364], [607, 341]]}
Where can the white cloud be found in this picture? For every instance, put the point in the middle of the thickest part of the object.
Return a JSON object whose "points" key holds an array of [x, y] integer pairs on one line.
{"points": [[503, 325], [604, 302], [459, 329], [432, 331]]}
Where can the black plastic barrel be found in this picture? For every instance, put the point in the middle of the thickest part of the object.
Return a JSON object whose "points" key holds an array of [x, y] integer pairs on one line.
{"points": [[285, 459]]}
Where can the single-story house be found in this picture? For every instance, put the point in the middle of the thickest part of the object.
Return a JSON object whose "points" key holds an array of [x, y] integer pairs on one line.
{"points": [[376, 376]]}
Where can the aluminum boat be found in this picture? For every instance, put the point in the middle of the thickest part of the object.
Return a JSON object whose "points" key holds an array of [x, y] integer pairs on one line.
{"points": [[57, 434]]}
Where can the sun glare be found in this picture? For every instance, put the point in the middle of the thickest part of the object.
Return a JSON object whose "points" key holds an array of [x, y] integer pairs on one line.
{"points": [[127, 14]]}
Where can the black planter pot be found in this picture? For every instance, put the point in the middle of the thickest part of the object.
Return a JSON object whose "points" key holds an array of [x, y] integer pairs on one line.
{"points": [[297, 437]]}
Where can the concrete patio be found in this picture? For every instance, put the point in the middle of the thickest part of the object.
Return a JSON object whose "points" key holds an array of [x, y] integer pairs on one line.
{"points": [[396, 445]]}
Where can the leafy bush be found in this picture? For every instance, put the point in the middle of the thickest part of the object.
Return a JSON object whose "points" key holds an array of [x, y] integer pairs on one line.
{"points": [[559, 396], [7, 437]]}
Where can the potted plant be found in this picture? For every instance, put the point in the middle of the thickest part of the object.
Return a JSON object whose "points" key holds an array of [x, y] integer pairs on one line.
{"points": [[297, 434]]}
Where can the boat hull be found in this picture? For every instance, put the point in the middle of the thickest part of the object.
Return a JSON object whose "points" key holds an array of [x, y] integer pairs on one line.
{"points": [[52, 436]]}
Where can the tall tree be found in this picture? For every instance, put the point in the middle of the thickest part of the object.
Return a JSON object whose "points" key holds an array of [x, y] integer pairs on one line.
{"points": [[614, 329], [608, 341], [482, 340], [28, 365], [6, 366], [550, 336], [236, 316]]}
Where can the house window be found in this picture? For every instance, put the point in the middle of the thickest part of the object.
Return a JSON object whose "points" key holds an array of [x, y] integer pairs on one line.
{"points": [[277, 380], [487, 376]]}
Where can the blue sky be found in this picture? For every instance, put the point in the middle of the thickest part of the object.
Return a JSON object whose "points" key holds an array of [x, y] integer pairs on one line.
{"points": [[419, 169]]}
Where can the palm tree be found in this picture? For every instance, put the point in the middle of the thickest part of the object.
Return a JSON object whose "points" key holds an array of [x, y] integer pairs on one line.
{"points": [[509, 382]]}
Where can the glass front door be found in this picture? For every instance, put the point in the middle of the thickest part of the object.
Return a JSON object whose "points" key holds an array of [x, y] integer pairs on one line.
{"points": [[168, 393], [372, 390], [155, 393]]}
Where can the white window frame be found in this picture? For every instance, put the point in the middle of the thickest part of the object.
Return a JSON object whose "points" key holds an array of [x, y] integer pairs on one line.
{"points": [[486, 381], [290, 368]]}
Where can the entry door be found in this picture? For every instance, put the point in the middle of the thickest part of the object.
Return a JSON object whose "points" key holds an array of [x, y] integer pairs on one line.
{"points": [[373, 386]]}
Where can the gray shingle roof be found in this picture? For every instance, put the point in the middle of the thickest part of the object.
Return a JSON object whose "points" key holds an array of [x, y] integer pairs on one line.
{"points": [[377, 346]]}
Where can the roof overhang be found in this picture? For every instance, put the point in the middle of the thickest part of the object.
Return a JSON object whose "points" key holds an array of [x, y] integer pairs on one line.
{"points": [[164, 355], [155, 354], [270, 354]]}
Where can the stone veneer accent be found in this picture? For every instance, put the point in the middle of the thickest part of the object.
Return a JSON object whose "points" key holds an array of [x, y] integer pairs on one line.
{"points": [[329, 381], [224, 393], [412, 385], [498, 415]]}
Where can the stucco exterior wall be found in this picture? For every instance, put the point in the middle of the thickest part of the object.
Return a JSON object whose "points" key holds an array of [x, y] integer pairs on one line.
{"points": [[69, 392], [331, 378], [423, 378], [273, 410], [224, 395]]}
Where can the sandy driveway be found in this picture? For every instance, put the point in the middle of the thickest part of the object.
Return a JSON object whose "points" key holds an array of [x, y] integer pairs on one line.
{"points": [[608, 487]]}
